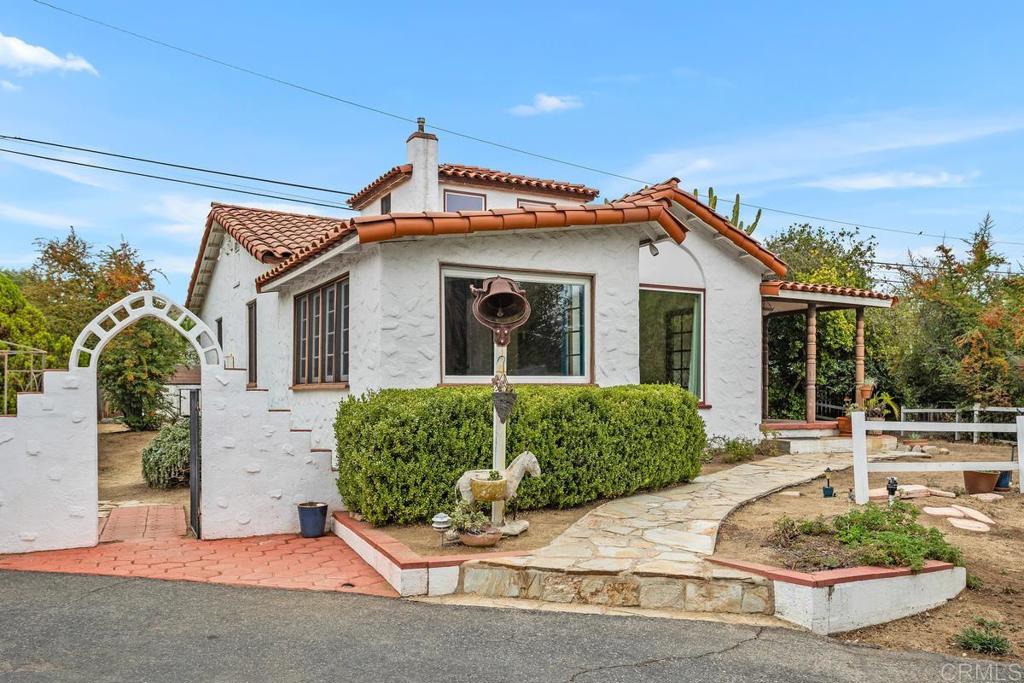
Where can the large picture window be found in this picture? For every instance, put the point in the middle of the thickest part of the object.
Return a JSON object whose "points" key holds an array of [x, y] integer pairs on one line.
{"points": [[321, 334], [671, 337], [553, 346]]}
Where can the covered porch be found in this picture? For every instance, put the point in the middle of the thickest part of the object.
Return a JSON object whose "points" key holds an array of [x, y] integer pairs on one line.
{"points": [[780, 298]]}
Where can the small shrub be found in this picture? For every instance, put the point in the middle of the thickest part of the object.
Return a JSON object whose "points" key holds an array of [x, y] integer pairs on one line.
{"points": [[974, 582], [873, 535], [739, 449], [165, 460], [467, 518], [400, 451], [985, 639]]}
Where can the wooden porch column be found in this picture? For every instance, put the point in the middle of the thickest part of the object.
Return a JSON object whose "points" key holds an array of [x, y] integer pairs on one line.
{"points": [[812, 362], [858, 356], [764, 367]]}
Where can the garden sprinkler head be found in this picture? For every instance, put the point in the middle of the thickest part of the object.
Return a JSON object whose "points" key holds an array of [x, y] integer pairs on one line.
{"points": [[892, 486]]}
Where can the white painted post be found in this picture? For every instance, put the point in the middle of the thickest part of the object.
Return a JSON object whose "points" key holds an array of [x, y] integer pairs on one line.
{"points": [[977, 408], [1020, 453], [901, 419], [498, 445], [956, 419], [860, 458]]}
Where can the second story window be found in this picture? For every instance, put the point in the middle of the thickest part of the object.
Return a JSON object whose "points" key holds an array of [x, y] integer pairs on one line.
{"points": [[385, 203], [464, 201]]}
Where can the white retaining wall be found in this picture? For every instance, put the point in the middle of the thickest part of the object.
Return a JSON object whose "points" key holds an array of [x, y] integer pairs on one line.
{"points": [[848, 606]]}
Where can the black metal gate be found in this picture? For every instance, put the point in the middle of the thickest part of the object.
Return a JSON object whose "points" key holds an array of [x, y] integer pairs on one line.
{"points": [[195, 460]]}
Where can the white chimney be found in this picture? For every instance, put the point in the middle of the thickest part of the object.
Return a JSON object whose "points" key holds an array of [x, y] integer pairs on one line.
{"points": [[421, 152]]}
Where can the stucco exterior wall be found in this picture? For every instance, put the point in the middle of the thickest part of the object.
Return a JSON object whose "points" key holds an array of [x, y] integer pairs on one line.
{"points": [[405, 199], [732, 326], [410, 311], [232, 286]]}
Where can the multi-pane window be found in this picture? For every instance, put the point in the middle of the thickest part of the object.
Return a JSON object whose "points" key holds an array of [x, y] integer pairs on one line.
{"points": [[553, 345], [250, 314], [321, 334], [385, 203], [671, 336], [464, 201]]}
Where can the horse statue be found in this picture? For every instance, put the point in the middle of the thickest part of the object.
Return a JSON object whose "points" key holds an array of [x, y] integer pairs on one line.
{"points": [[525, 463]]}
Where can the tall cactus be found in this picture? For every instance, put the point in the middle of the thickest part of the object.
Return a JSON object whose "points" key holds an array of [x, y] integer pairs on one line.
{"points": [[712, 203]]}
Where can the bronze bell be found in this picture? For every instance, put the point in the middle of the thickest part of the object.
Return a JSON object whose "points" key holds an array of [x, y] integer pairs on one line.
{"points": [[500, 305]]}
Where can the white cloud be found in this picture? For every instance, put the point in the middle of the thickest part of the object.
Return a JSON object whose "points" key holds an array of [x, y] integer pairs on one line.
{"points": [[891, 180], [17, 214], [74, 174], [172, 264], [814, 149], [179, 215], [547, 104], [7, 86], [27, 59]]}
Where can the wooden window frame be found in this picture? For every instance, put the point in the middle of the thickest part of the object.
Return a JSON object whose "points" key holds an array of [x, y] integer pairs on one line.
{"points": [[524, 203], [587, 280], [250, 348], [465, 194], [304, 374], [702, 400]]}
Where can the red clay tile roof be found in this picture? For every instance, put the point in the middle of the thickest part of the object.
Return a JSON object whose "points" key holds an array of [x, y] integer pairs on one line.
{"points": [[393, 176], [270, 236], [380, 228], [475, 175], [670, 190], [773, 287]]}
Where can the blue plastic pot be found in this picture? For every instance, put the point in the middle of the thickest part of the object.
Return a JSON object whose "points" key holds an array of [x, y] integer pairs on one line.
{"points": [[1003, 483], [312, 519]]}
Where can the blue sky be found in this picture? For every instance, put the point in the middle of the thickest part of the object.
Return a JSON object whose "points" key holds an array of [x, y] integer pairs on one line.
{"points": [[906, 116]]}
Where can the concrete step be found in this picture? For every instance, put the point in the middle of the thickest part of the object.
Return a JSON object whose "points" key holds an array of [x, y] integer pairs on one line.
{"points": [[877, 443]]}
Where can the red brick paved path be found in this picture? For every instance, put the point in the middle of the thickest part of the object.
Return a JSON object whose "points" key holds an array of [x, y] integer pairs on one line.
{"points": [[282, 561], [144, 521]]}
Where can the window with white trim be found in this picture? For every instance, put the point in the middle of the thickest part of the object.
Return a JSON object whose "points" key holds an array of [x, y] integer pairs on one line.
{"points": [[552, 347], [321, 334], [464, 201], [671, 338]]}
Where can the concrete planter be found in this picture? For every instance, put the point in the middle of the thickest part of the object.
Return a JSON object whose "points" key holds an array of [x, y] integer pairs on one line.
{"points": [[488, 490]]}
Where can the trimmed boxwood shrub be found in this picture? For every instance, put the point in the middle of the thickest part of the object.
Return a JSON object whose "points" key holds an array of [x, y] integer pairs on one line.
{"points": [[165, 460], [400, 451]]}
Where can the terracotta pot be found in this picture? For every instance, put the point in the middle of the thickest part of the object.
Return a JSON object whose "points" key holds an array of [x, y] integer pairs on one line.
{"points": [[483, 540], [980, 482], [845, 425], [488, 490], [866, 391]]}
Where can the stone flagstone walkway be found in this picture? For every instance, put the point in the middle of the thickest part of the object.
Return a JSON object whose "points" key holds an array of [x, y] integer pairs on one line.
{"points": [[663, 535]]}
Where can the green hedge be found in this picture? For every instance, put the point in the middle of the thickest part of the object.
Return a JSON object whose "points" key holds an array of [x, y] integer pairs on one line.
{"points": [[400, 451], [165, 460]]}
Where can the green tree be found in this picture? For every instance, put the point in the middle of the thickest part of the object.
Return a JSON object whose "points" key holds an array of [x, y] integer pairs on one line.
{"points": [[961, 322], [71, 283], [23, 324], [820, 256]]}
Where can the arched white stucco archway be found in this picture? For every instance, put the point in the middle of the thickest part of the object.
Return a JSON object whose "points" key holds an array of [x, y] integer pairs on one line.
{"points": [[129, 310]]}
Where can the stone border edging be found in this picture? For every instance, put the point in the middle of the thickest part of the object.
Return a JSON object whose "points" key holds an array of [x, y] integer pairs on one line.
{"points": [[829, 577], [407, 571]]}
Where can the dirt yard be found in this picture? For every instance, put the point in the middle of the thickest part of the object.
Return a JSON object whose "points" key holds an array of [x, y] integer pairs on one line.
{"points": [[997, 557], [545, 525], [121, 469]]}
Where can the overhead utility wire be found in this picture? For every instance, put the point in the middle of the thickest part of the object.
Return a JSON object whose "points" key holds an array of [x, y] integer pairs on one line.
{"points": [[175, 180], [172, 165], [408, 119]]}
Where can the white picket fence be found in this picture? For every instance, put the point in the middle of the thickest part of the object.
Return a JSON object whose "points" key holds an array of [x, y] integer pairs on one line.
{"points": [[861, 466], [976, 411]]}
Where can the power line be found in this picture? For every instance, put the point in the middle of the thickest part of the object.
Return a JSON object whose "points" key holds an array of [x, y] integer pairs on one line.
{"points": [[449, 131], [176, 180], [172, 165]]}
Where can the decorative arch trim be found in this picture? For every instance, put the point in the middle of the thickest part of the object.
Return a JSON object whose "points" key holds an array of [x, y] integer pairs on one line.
{"points": [[129, 310]]}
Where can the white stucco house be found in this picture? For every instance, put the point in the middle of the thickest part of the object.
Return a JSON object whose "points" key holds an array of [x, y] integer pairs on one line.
{"points": [[652, 287]]}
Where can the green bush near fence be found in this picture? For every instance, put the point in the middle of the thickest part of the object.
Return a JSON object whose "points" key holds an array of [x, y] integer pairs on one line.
{"points": [[400, 451], [165, 460]]}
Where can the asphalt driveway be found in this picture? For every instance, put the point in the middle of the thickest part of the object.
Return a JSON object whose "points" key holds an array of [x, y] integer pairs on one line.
{"points": [[61, 627]]}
